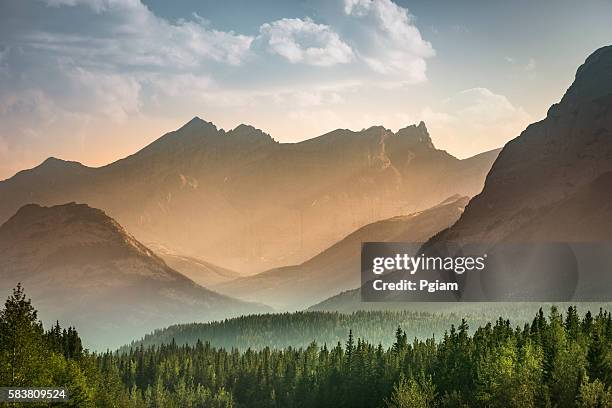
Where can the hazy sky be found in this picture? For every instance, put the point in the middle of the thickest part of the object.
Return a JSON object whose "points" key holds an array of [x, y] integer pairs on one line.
{"points": [[95, 80]]}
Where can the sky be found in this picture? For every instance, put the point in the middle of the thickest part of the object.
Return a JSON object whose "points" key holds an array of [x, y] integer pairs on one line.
{"points": [[96, 80]]}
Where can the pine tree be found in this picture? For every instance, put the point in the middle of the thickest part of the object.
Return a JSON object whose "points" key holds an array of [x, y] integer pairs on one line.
{"points": [[23, 352], [410, 394], [594, 395]]}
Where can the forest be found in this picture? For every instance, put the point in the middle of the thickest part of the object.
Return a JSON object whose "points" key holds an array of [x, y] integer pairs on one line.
{"points": [[299, 329], [555, 360]]}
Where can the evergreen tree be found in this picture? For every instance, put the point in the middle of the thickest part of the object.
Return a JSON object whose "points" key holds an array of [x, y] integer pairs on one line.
{"points": [[408, 393], [23, 354], [594, 395]]}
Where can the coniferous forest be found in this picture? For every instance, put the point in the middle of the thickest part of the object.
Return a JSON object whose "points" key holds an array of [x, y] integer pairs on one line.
{"points": [[556, 360]]}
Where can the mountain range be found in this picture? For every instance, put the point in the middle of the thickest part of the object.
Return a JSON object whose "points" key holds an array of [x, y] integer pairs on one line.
{"points": [[553, 183], [80, 266], [243, 201]]}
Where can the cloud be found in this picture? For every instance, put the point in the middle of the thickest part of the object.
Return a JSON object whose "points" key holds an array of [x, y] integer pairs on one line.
{"points": [[113, 96], [96, 64], [527, 69], [389, 42], [304, 41], [482, 106], [379, 33], [127, 33], [92, 68], [476, 119], [96, 5]]}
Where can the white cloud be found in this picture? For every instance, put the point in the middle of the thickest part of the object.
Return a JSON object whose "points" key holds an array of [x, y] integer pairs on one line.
{"points": [[113, 96], [96, 5], [390, 42], [379, 33], [476, 119], [128, 33], [304, 41], [481, 105]]}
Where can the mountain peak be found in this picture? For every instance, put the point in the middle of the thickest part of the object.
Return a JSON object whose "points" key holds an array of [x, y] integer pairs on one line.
{"points": [[248, 133], [416, 134], [54, 162], [593, 78], [51, 160], [244, 127], [376, 128], [84, 225], [53, 165], [33, 212], [196, 124]]}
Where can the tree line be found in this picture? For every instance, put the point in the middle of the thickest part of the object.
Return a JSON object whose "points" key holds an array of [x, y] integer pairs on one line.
{"points": [[299, 329], [555, 360]]}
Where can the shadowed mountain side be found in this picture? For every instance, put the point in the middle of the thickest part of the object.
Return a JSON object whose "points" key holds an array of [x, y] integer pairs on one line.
{"points": [[584, 216], [243, 201], [338, 268], [202, 272], [83, 268], [550, 186], [548, 163]]}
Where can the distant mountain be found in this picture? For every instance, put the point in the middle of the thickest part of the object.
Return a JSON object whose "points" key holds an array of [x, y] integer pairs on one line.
{"points": [[82, 267], [202, 272], [245, 202], [338, 267]]}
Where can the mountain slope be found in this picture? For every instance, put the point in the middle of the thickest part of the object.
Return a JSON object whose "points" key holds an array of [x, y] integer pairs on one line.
{"points": [[549, 162], [338, 267], [552, 184], [241, 200], [82, 267], [202, 272]]}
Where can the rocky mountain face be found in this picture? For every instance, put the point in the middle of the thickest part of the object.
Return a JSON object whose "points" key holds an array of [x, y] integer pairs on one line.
{"points": [[243, 201], [549, 168], [338, 268], [80, 266], [549, 191]]}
